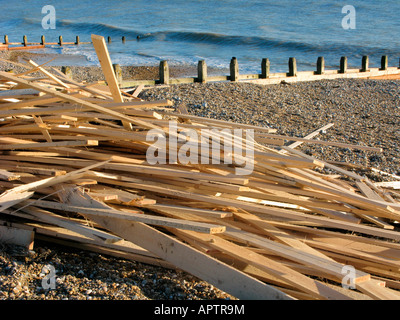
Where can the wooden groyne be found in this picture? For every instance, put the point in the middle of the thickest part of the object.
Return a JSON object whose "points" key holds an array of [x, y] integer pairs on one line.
{"points": [[25, 45], [266, 77]]}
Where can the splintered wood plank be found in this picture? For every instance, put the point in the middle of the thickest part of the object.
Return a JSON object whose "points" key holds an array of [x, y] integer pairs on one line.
{"points": [[181, 255]]}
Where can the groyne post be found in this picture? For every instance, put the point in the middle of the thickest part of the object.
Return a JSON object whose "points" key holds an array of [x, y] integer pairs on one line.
{"points": [[365, 64], [320, 65], [77, 40], [118, 72], [343, 65], [265, 68], [24, 41], [384, 63], [164, 72], [202, 71], [67, 71], [60, 40], [6, 39], [234, 69], [292, 67]]}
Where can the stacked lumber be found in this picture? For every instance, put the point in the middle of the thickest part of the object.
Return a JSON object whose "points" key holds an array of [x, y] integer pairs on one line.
{"points": [[74, 169]]}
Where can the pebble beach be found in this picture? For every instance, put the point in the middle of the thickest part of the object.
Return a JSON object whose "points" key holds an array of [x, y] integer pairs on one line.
{"points": [[364, 112]]}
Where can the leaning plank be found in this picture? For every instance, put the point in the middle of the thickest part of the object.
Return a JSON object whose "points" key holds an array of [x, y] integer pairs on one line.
{"points": [[48, 74], [99, 45], [181, 255]]}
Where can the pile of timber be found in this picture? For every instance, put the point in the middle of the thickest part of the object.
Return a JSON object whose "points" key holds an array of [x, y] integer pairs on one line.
{"points": [[74, 169]]}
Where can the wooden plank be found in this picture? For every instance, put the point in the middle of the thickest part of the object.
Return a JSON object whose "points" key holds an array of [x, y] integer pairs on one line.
{"points": [[328, 266], [373, 289], [78, 101], [259, 138], [100, 46], [8, 176], [48, 74], [49, 217], [280, 213], [182, 256], [309, 136], [23, 192], [17, 236], [39, 145], [389, 184], [132, 215], [299, 281], [138, 90]]}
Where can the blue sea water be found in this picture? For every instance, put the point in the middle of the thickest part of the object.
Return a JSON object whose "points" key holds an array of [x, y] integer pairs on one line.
{"points": [[185, 31]]}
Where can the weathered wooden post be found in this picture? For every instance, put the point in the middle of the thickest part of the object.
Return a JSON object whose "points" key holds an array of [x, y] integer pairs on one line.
{"points": [[164, 72], [67, 71], [123, 39], [24, 41], [343, 65], [365, 64], [265, 67], [109, 39], [234, 69], [77, 40], [202, 71], [292, 67], [118, 72], [6, 39], [60, 40], [42, 40], [320, 65], [384, 63]]}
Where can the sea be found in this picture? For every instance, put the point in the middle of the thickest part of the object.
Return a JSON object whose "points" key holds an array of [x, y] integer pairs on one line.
{"points": [[186, 31]]}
